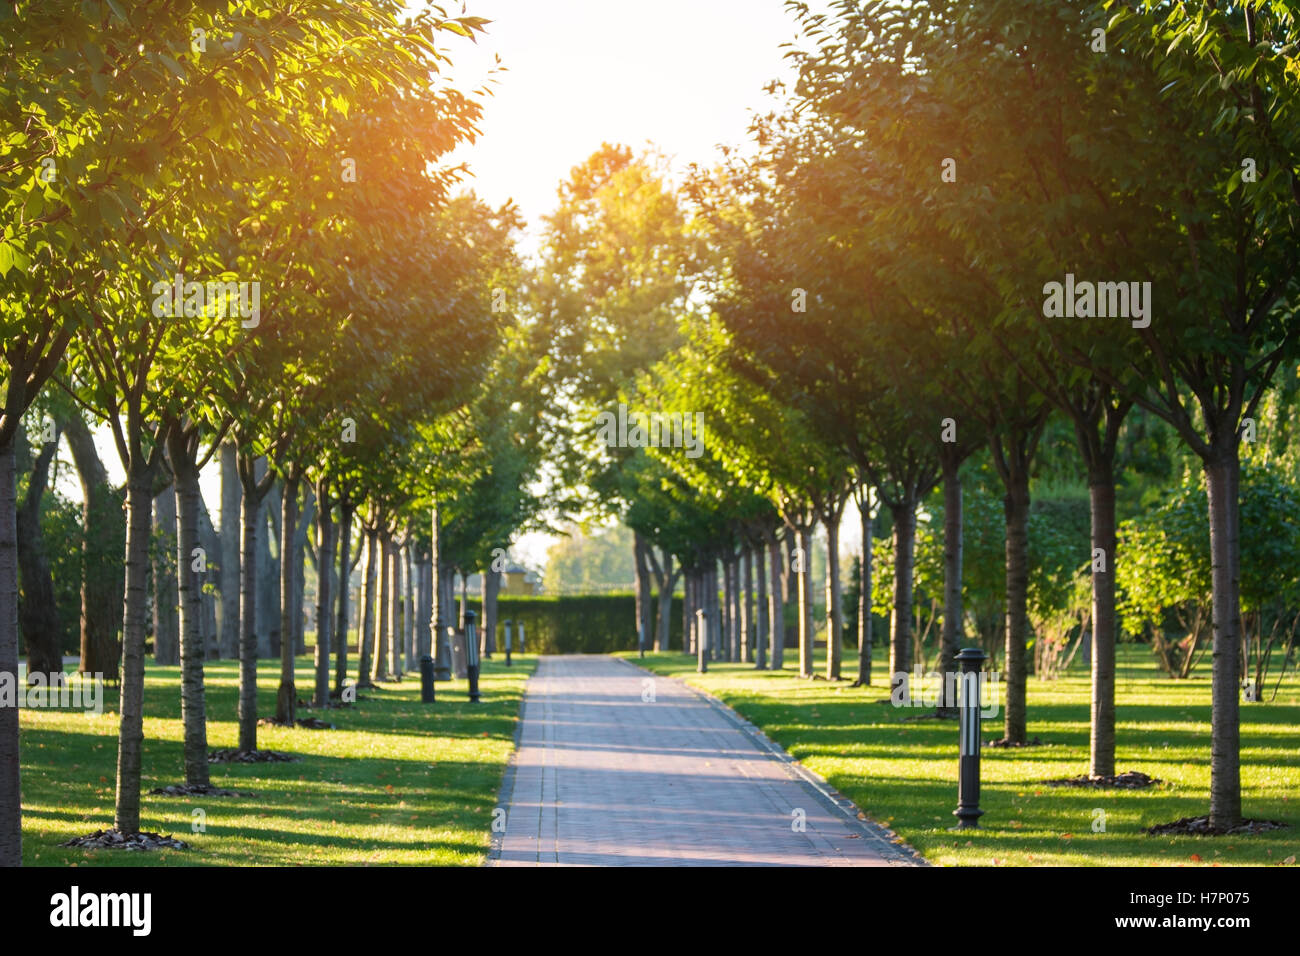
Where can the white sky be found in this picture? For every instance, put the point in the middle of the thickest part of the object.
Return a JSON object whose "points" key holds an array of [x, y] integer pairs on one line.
{"points": [[682, 75]]}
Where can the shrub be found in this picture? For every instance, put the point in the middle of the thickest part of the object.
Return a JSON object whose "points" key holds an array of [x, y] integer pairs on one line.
{"points": [[583, 624]]}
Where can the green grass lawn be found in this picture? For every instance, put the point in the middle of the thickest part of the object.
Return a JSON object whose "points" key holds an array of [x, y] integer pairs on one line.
{"points": [[904, 773], [399, 782]]}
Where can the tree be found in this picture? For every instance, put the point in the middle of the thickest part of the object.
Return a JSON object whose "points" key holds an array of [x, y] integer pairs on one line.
{"points": [[619, 264]]}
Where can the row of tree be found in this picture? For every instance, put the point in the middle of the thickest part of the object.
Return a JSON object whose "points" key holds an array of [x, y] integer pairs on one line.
{"points": [[967, 222], [228, 234]]}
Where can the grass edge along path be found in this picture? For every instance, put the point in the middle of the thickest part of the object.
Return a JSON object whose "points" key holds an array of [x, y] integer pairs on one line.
{"points": [[398, 781], [903, 772]]}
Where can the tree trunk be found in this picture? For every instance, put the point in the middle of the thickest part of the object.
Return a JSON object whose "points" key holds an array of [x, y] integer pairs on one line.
{"points": [[396, 622], [190, 573], [166, 628], [273, 579], [776, 603], [1101, 493], [464, 600], [299, 554], [369, 609], [446, 591], [718, 649], [38, 612], [900, 638], [666, 585], [103, 543], [441, 612], [286, 701], [324, 590], [806, 624], [210, 542], [408, 607], [397, 613], [393, 615], [698, 624], [952, 571], [688, 611], [747, 602], [737, 604], [729, 604], [251, 477], [761, 622], [491, 588], [268, 579], [130, 737], [231, 498], [345, 590], [866, 617], [11, 825], [379, 667], [424, 605], [834, 597], [716, 635], [1221, 476], [1017, 596], [642, 572], [789, 577], [710, 636]]}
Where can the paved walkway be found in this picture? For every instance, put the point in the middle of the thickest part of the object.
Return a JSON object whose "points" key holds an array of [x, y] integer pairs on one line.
{"points": [[618, 767]]}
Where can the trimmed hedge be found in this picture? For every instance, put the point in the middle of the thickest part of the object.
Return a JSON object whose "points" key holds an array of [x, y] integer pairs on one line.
{"points": [[580, 624]]}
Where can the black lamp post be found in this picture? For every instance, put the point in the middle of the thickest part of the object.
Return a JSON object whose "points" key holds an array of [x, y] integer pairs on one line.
{"points": [[471, 655], [968, 809], [508, 642]]}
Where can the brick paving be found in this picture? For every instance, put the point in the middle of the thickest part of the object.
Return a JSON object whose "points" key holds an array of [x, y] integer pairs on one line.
{"points": [[617, 767]]}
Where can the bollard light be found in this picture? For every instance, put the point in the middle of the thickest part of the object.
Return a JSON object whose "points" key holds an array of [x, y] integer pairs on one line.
{"points": [[521, 637], [426, 679], [507, 626], [471, 655], [640, 638], [968, 809], [701, 642]]}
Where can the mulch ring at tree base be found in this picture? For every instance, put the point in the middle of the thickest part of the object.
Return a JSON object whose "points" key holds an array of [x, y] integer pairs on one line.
{"points": [[1132, 780], [308, 723], [196, 790], [1200, 826], [1036, 742], [232, 755], [112, 840]]}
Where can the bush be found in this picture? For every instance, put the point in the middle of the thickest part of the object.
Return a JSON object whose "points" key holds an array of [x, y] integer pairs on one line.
{"points": [[583, 624], [1163, 569]]}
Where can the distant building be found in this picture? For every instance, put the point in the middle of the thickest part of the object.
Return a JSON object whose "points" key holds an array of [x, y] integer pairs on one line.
{"points": [[518, 580]]}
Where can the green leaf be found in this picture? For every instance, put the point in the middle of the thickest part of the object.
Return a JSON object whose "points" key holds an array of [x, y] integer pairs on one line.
{"points": [[172, 65]]}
